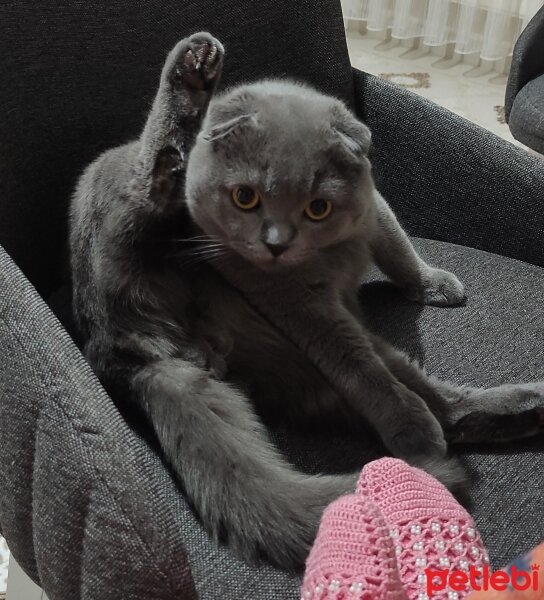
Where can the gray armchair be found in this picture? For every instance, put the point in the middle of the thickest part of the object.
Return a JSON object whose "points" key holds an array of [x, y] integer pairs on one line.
{"points": [[88, 507], [524, 108]]}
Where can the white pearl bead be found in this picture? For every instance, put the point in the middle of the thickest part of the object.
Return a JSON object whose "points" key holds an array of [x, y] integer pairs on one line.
{"points": [[356, 587], [423, 597], [394, 533], [486, 557], [421, 562], [398, 550], [454, 529], [435, 527], [471, 533], [440, 545], [418, 546], [453, 596], [334, 585], [475, 552], [415, 529], [422, 578], [458, 547], [463, 564], [307, 594], [319, 589], [444, 562]]}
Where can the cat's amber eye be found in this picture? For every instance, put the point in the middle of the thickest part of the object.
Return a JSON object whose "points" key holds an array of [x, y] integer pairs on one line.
{"points": [[245, 197], [318, 209]]}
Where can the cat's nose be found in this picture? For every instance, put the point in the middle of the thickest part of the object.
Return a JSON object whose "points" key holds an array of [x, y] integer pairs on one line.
{"points": [[277, 236], [276, 249]]}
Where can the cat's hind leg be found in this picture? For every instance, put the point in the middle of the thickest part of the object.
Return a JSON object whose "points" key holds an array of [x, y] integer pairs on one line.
{"points": [[188, 80], [469, 414]]}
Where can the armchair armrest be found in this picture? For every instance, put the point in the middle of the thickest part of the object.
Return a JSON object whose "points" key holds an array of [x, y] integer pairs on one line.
{"points": [[527, 60], [82, 507], [450, 180]]}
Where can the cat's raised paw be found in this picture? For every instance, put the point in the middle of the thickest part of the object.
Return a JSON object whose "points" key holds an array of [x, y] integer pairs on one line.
{"points": [[437, 288], [195, 63]]}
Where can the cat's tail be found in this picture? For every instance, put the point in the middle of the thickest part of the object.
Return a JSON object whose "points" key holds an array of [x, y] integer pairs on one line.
{"points": [[246, 494]]}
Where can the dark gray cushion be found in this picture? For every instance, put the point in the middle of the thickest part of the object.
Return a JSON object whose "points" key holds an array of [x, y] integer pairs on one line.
{"points": [[79, 77], [497, 337], [527, 115]]}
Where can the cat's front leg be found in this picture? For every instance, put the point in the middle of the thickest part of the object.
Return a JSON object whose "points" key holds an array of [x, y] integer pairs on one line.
{"points": [[336, 343], [188, 80], [396, 257]]}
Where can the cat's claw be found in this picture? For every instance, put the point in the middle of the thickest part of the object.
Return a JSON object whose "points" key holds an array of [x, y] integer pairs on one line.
{"points": [[437, 288], [196, 62]]}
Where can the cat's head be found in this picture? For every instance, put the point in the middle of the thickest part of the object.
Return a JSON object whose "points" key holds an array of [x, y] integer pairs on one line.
{"points": [[279, 172]]}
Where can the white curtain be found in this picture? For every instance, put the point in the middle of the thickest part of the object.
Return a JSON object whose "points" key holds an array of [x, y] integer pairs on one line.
{"points": [[487, 27]]}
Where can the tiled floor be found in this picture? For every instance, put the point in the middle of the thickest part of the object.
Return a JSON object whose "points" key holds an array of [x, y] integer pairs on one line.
{"points": [[479, 99]]}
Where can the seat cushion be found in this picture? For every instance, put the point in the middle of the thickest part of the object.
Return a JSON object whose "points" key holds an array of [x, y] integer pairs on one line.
{"points": [[498, 336], [527, 115]]}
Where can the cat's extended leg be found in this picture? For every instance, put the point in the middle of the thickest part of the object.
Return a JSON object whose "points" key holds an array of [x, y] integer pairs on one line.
{"points": [[396, 257], [469, 414], [340, 348], [246, 494], [188, 80], [155, 187]]}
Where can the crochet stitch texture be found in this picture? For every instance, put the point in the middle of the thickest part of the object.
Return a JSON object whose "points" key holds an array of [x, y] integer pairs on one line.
{"points": [[377, 543]]}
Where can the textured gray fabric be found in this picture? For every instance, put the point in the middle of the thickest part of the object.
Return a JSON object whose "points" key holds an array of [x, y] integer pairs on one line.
{"points": [[79, 77], [81, 505], [527, 116], [527, 59], [496, 337], [450, 180]]}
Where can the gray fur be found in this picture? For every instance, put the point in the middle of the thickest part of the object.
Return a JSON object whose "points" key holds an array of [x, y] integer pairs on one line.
{"points": [[188, 316]]}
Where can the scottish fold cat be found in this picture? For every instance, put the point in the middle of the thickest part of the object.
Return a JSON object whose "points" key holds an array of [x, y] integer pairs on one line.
{"points": [[216, 262]]}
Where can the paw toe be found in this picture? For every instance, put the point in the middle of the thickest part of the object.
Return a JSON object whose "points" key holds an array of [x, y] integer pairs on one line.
{"points": [[438, 288], [196, 61]]}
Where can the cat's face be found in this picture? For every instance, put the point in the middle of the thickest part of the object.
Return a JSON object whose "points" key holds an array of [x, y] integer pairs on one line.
{"points": [[279, 173]]}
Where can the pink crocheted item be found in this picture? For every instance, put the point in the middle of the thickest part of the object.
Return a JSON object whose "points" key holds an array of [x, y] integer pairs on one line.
{"points": [[429, 528], [353, 556], [377, 543]]}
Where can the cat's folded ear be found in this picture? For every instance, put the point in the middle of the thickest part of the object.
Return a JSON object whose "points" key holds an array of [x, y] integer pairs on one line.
{"points": [[228, 116], [223, 129], [350, 132]]}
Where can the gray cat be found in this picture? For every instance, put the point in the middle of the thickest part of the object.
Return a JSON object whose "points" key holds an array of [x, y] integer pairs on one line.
{"points": [[218, 259]]}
